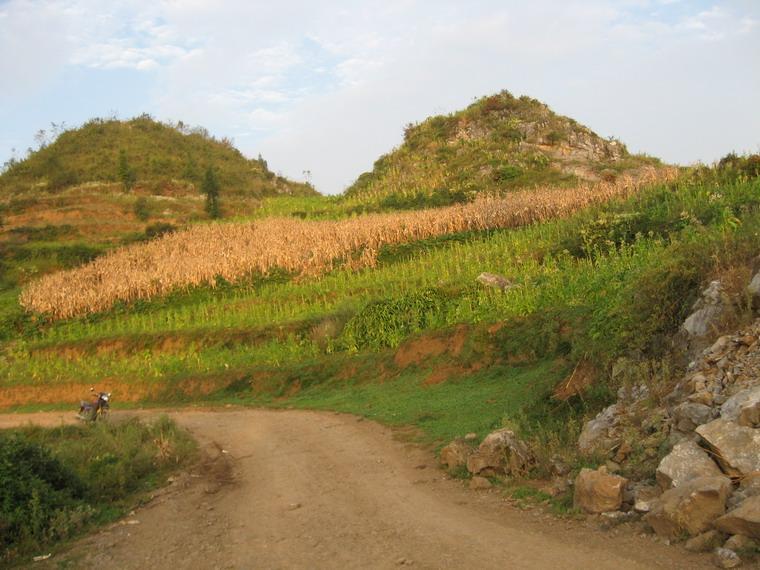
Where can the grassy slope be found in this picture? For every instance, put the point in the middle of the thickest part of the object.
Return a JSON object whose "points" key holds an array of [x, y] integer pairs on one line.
{"points": [[606, 281]]}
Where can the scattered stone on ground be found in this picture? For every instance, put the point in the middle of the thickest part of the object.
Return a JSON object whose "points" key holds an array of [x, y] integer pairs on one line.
{"points": [[500, 453], [725, 558], [598, 491], [455, 454], [705, 542], [495, 281], [478, 483]]}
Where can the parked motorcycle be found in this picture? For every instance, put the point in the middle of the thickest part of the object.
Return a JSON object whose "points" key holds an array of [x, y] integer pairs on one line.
{"points": [[97, 409]]}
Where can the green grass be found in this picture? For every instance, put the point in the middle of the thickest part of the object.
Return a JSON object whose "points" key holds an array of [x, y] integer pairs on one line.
{"points": [[59, 482], [475, 402]]}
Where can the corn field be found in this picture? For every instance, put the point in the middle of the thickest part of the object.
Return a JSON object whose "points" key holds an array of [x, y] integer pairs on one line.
{"points": [[198, 256]]}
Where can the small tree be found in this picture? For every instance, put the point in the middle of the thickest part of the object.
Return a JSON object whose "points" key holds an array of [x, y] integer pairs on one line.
{"points": [[126, 173], [210, 188]]}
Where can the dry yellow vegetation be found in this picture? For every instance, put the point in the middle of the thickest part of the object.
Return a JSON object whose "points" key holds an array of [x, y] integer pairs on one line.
{"points": [[234, 251]]}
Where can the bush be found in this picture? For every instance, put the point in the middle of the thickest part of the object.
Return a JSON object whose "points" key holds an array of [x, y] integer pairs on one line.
{"points": [[37, 491], [388, 322], [154, 231], [141, 209], [54, 481]]}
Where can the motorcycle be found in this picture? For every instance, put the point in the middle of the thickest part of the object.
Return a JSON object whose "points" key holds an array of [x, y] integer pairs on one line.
{"points": [[98, 409]]}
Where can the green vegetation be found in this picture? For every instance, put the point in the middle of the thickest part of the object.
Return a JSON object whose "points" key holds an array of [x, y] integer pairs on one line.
{"points": [[606, 281], [210, 189], [145, 153], [58, 482], [497, 144]]}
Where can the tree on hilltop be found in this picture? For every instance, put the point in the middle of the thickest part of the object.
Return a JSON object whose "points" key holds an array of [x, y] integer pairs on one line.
{"points": [[126, 172], [210, 188]]}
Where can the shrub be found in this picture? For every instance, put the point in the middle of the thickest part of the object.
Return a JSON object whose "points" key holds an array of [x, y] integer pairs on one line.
{"points": [[386, 323]]}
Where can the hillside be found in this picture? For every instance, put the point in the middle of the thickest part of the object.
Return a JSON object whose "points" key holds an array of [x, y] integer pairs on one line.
{"points": [[497, 144], [110, 183], [160, 156]]}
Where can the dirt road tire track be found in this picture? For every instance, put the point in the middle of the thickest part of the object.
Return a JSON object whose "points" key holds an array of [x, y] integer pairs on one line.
{"points": [[297, 489]]}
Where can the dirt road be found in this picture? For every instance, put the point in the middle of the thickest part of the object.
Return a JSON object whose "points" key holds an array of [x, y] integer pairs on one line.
{"points": [[293, 489]]}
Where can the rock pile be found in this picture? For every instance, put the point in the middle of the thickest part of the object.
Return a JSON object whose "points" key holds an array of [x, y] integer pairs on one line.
{"points": [[708, 482]]}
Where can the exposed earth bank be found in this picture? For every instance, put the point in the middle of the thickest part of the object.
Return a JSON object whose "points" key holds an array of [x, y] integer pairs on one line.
{"points": [[295, 489]]}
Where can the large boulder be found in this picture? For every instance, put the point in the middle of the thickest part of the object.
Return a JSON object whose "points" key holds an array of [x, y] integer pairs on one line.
{"points": [[690, 508], [736, 448], [596, 435], [688, 415], [744, 519], [455, 454], [687, 461], [743, 407], [598, 491], [501, 452]]}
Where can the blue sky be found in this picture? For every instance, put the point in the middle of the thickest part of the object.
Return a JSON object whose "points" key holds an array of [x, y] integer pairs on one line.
{"points": [[328, 87]]}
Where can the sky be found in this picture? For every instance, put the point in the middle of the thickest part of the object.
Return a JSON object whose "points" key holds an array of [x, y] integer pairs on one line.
{"points": [[322, 89]]}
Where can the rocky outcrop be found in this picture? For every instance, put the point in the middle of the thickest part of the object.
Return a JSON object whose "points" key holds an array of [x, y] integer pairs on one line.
{"points": [[596, 433], [743, 520], [455, 454], [687, 461], [736, 448], [500, 453], [708, 311], [690, 508], [598, 491]]}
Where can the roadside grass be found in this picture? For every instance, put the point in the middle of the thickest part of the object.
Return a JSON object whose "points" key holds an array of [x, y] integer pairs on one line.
{"points": [[59, 482], [474, 402]]}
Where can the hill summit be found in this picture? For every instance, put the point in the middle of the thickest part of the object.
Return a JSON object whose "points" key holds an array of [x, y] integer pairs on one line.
{"points": [[499, 143], [158, 156]]}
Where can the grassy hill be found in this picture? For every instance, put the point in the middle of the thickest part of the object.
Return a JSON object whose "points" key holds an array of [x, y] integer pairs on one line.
{"points": [[161, 157], [497, 144]]}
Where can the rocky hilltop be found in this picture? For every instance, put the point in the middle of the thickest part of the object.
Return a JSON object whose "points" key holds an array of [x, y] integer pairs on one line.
{"points": [[497, 144]]}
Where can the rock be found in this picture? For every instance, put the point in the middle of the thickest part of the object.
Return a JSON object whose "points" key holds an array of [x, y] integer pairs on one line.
{"points": [[707, 312], [754, 286], [496, 281], [595, 435], [480, 483], [741, 543], [736, 448], [500, 452], [725, 558], [705, 542], [598, 491], [743, 407], [644, 497], [691, 507], [455, 454], [688, 415], [687, 461], [471, 436], [557, 486], [622, 452], [744, 519], [615, 518], [749, 487]]}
